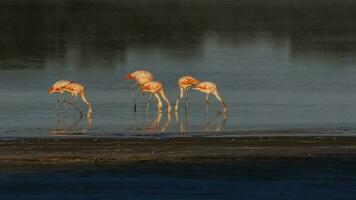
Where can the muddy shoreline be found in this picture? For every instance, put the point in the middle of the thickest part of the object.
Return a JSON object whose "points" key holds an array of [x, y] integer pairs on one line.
{"points": [[110, 152]]}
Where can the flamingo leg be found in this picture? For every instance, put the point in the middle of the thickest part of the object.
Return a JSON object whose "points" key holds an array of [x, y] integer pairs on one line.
{"points": [[133, 96], [207, 102], [75, 123], [181, 95], [65, 103], [223, 123], [148, 102], [145, 121], [207, 124], [186, 100], [169, 108], [75, 100], [207, 99], [90, 122], [70, 99], [142, 93], [133, 121], [216, 94], [165, 126], [58, 100], [159, 102], [75, 107], [177, 117], [185, 125], [156, 121], [85, 100]]}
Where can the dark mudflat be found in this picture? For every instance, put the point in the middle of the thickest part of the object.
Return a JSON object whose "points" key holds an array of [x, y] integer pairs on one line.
{"points": [[257, 179], [49, 152], [179, 168]]}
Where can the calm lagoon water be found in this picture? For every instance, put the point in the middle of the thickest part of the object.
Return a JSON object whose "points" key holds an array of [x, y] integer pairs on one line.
{"points": [[277, 65]]}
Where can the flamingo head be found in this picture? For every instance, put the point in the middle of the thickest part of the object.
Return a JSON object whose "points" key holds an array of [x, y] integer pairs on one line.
{"points": [[129, 77], [195, 82], [52, 90]]}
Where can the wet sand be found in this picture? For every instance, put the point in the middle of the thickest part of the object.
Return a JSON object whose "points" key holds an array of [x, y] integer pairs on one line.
{"points": [[114, 152]]}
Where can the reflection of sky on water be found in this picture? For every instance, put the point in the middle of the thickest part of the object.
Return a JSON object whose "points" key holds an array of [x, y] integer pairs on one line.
{"points": [[276, 66]]}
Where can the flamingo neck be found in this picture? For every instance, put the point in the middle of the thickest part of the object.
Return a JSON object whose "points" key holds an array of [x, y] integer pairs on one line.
{"points": [[86, 101]]}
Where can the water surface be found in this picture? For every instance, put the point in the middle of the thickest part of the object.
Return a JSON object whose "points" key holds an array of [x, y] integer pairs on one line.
{"points": [[277, 65]]}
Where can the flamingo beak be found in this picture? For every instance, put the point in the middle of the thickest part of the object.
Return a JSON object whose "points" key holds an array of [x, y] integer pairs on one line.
{"points": [[195, 84], [128, 77], [51, 90]]}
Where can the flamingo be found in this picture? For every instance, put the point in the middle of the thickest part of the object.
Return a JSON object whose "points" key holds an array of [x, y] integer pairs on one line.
{"points": [[156, 89], [75, 89], [141, 77], [185, 83], [57, 87], [210, 88]]}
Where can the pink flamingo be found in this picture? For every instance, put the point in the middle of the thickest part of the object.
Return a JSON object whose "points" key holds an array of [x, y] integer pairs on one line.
{"points": [[185, 83], [210, 88], [141, 77], [156, 89], [57, 87], [74, 89]]}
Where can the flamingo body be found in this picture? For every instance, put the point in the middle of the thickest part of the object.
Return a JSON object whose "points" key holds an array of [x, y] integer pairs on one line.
{"points": [[205, 87], [140, 76], [152, 87], [156, 88], [187, 81], [58, 86], [74, 88]]}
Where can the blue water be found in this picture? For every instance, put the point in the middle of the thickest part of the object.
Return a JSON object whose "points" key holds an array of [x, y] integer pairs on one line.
{"points": [[277, 65]]}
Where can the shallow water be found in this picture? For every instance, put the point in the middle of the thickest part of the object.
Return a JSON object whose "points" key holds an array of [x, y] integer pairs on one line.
{"points": [[277, 65]]}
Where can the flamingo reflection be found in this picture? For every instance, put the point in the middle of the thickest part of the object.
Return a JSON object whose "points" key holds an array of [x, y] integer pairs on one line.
{"points": [[184, 128], [151, 126], [67, 127]]}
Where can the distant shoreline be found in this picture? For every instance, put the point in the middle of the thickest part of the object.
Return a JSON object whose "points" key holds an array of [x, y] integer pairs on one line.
{"points": [[27, 153]]}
